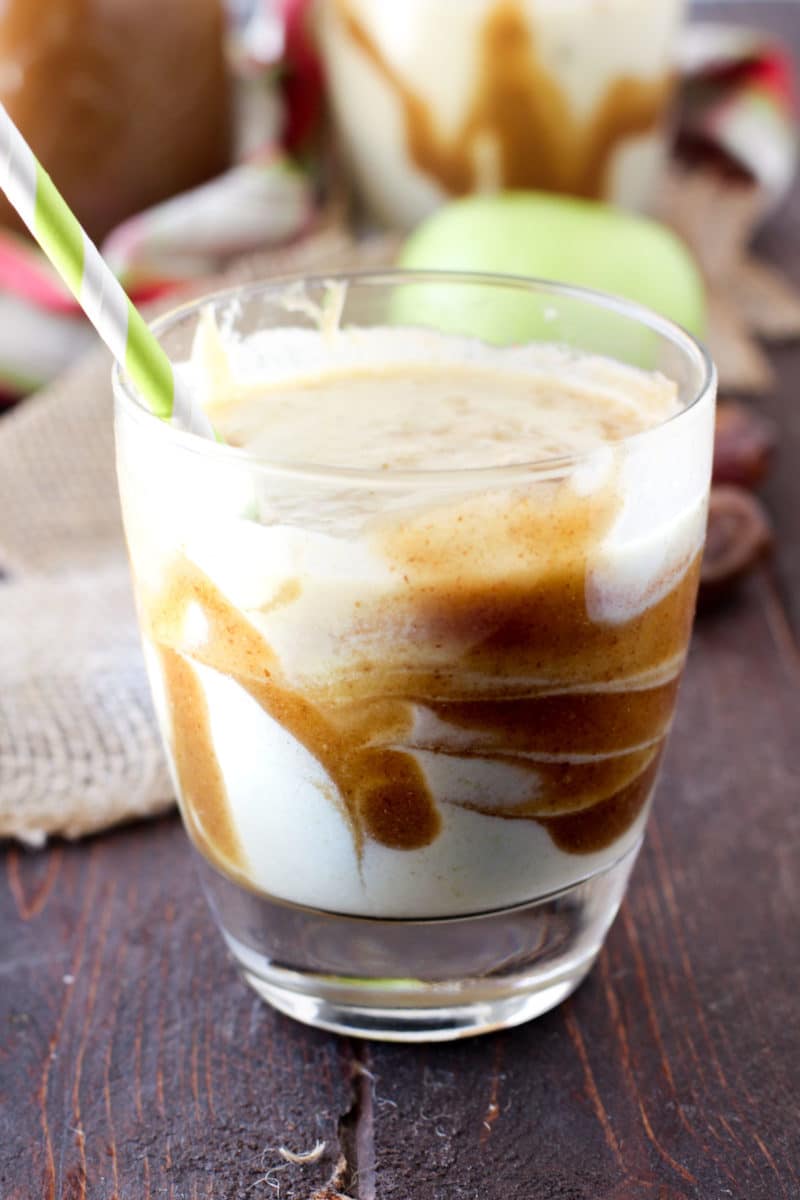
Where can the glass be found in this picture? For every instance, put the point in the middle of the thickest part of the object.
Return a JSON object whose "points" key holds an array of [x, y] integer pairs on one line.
{"points": [[416, 798], [439, 98]]}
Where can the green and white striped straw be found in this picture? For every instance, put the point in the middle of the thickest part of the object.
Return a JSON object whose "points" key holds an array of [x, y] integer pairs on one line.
{"points": [[76, 258]]}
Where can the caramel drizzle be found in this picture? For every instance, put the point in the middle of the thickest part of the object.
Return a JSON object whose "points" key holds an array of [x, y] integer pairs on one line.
{"points": [[585, 806], [204, 799], [579, 723], [383, 790], [598, 827], [519, 107]]}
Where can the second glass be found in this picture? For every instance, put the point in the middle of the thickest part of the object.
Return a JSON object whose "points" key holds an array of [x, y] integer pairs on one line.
{"points": [[440, 98]]}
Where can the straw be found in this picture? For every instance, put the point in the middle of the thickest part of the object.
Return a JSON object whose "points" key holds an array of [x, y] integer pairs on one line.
{"points": [[33, 194]]}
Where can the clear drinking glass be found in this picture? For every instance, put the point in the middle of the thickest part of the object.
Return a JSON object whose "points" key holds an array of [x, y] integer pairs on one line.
{"points": [[415, 718], [441, 98]]}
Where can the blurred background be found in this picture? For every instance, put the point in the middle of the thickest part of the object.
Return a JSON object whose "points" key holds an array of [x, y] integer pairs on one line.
{"points": [[246, 125]]}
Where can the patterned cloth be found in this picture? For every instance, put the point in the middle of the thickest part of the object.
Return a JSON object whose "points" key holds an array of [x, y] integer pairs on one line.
{"points": [[739, 99]]}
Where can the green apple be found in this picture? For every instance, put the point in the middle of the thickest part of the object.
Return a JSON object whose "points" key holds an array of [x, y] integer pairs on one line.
{"points": [[557, 238]]}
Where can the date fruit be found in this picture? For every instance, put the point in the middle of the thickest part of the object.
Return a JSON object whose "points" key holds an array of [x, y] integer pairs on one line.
{"points": [[744, 442], [739, 534]]}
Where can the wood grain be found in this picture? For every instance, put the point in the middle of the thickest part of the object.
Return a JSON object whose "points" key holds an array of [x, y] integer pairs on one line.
{"points": [[134, 1065]]}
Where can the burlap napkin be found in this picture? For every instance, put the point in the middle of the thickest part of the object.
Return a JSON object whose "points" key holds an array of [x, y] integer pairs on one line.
{"points": [[79, 748]]}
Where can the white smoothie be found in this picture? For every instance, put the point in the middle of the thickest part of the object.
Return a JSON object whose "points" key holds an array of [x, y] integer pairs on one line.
{"points": [[435, 98], [403, 673]]}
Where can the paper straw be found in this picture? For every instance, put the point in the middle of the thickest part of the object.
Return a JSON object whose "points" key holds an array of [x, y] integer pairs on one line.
{"points": [[76, 258]]}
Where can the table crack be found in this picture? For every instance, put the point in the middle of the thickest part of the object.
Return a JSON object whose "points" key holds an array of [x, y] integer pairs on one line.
{"points": [[353, 1176]]}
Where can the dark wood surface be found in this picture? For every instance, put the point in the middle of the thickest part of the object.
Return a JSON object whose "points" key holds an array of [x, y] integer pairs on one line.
{"points": [[134, 1064]]}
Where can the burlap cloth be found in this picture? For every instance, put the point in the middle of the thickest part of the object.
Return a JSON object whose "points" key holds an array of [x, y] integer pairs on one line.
{"points": [[79, 747]]}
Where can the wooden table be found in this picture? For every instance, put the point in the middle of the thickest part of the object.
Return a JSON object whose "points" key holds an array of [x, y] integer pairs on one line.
{"points": [[134, 1064]]}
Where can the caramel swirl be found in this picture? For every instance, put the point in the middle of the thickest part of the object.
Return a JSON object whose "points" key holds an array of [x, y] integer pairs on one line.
{"points": [[519, 108], [577, 709], [203, 796]]}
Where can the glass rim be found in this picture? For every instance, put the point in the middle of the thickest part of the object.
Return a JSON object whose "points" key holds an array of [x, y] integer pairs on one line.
{"points": [[692, 347]]}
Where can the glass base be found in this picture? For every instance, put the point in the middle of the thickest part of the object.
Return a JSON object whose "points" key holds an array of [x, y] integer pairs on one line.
{"points": [[412, 980]]}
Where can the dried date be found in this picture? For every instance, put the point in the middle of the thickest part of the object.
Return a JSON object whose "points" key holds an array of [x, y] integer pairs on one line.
{"points": [[738, 536], [744, 443]]}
